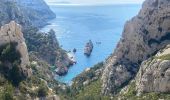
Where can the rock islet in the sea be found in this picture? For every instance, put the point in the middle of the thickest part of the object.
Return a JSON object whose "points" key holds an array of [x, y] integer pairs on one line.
{"points": [[88, 48]]}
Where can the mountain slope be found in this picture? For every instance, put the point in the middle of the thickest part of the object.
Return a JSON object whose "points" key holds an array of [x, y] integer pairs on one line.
{"points": [[32, 14], [143, 36]]}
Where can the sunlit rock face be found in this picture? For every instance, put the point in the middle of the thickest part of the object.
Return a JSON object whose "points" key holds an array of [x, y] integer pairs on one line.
{"points": [[11, 33], [142, 37]]}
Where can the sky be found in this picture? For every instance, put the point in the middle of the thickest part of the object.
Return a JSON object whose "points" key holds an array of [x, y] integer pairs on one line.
{"points": [[93, 1]]}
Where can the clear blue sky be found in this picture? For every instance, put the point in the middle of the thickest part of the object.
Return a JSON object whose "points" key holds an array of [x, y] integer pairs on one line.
{"points": [[94, 1]]}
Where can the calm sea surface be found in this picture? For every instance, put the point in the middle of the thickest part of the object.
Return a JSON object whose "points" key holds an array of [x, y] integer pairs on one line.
{"points": [[75, 25]]}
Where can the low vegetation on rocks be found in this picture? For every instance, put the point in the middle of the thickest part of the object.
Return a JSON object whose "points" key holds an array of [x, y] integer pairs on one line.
{"points": [[10, 65], [86, 86], [130, 93], [165, 57], [46, 47]]}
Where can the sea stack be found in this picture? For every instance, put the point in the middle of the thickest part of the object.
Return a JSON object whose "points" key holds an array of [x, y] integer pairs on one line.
{"points": [[88, 48]]}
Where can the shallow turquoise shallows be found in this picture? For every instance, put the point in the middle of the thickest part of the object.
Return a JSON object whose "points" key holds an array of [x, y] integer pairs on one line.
{"points": [[76, 25]]}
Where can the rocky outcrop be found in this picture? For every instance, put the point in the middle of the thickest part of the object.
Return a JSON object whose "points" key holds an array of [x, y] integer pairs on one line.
{"points": [[143, 35], [63, 62], [154, 74], [61, 71], [45, 47], [88, 48], [11, 33]]}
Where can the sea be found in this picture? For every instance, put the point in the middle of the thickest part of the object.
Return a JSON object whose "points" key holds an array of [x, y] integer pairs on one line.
{"points": [[75, 25]]}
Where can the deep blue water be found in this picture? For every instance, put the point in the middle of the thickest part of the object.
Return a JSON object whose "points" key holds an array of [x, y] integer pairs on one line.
{"points": [[75, 25]]}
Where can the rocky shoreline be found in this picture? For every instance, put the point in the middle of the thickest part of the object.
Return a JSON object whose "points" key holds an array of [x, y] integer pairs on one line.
{"points": [[61, 71]]}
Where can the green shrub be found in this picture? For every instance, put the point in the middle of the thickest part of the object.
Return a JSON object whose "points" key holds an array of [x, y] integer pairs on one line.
{"points": [[42, 91], [8, 95], [10, 63], [164, 57], [6, 92]]}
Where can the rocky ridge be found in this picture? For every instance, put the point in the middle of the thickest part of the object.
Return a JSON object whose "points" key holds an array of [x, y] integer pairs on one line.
{"points": [[142, 37]]}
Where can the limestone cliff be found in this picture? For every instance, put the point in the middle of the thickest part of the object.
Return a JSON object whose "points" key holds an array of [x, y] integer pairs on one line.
{"points": [[142, 37], [11, 33]]}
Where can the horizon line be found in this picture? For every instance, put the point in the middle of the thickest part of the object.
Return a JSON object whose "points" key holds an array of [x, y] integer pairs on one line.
{"points": [[96, 4]]}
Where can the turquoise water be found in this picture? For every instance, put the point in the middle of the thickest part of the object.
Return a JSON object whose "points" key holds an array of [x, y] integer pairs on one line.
{"points": [[75, 25]]}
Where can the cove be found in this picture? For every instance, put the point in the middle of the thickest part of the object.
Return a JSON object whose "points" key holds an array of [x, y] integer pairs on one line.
{"points": [[75, 25]]}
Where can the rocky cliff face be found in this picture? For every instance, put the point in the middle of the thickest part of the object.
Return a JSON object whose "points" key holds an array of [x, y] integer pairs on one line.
{"points": [[11, 33], [154, 74], [143, 36]]}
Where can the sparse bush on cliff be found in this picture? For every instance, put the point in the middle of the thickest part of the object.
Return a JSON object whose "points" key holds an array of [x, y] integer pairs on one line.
{"points": [[42, 90]]}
